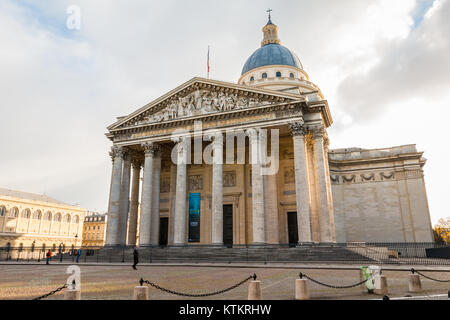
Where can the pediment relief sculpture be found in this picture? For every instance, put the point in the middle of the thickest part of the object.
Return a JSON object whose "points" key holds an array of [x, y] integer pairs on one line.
{"points": [[201, 102]]}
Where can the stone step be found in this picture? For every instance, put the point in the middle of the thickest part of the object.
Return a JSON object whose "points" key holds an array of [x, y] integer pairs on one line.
{"points": [[212, 254]]}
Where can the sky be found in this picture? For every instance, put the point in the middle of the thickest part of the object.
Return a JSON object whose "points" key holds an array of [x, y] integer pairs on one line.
{"points": [[382, 65]]}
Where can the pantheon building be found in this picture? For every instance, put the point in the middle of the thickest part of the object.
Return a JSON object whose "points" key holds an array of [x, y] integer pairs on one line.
{"points": [[164, 191]]}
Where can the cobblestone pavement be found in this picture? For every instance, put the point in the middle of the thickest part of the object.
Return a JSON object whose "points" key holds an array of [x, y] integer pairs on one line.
{"points": [[118, 281]]}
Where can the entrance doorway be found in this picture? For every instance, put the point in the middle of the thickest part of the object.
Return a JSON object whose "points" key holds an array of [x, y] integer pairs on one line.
{"points": [[163, 231], [292, 228], [228, 225]]}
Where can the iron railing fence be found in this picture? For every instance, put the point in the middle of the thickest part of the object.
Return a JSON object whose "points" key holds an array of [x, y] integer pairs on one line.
{"points": [[355, 252]]}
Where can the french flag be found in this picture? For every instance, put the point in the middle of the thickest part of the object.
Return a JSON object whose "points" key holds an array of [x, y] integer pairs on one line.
{"points": [[208, 65]]}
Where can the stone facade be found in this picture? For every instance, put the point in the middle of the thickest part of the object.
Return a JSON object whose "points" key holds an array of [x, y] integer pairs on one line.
{"points": [[94, 230], [218, 163], [28, 220], [379, 195]]}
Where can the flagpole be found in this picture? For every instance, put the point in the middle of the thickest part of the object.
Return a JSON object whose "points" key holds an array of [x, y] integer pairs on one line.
{"points": [[208, 66]]}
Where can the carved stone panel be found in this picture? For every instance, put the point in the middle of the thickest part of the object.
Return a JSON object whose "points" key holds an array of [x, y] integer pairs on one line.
{"points": [[229, 179], [289, 175], [195, 183], [387, 176], [202, 102], [165, 185]]}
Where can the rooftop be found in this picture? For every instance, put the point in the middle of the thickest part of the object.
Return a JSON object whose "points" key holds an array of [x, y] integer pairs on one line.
{"points": [[30, 196]]}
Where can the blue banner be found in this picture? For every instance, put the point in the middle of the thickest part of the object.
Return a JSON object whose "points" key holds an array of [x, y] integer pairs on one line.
{"points": [[194, 217]]}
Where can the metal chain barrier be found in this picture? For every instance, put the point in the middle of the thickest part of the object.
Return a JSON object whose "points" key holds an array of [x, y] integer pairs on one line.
{"points": [[51, 293], [333, 286], [429, 278], [142, 281]]}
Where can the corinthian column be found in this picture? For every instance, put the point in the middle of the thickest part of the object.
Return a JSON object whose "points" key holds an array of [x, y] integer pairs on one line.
{"points": [[147, 196], [154, 234], [325, 204], [134, 203], [217, 190], [258, 214], [124, 199], [302, 193], [112, 230], [179, 237]]}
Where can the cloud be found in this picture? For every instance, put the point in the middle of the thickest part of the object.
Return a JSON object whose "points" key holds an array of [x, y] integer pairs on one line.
{"points": [[61, 88], [416, 65]]}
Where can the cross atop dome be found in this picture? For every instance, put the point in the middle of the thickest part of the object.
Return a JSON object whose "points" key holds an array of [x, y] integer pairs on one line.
{"points": [[269, 11]]}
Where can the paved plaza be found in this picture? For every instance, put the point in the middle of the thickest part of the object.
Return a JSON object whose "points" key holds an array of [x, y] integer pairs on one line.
{"points": [[112, 282]]}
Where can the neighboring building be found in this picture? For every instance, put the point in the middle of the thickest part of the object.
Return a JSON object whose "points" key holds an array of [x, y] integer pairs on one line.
{"points": [[316, 195], [32, 220], [94, 230]]}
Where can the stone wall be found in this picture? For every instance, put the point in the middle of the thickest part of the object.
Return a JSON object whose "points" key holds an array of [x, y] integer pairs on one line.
{"points": [[379, 195]]}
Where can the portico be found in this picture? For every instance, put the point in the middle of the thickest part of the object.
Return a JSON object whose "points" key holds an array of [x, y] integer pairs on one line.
{"points": [[175, 151]]}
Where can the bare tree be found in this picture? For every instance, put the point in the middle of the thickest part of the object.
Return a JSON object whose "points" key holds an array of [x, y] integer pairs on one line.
{"points": [[444, 223]]}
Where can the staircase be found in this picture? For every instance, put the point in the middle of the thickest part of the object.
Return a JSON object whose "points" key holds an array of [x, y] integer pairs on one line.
{"points": [[207, 254]]}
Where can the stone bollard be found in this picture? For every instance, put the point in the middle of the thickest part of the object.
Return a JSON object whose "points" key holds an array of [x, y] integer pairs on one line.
{"points": [[140, 293], [414, 284], [72, 294], [254, 290], [381, 287], [301, 289]]}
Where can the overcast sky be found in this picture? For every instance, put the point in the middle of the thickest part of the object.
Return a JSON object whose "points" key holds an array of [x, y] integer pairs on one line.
{"points": [[383, 66]]}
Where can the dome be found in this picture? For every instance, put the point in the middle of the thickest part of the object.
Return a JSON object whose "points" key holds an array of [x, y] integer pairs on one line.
{"points": [[271, 54]]}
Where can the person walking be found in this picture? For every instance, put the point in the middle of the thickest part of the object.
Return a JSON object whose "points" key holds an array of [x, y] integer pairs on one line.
{"points": [[49, 256], [78, 255], [135, 257]]}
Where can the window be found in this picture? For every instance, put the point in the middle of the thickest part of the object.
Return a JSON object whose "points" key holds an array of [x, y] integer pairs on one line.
{"points": [[67, 218], [252, 78], [14, 213], [291, 75], [26, 213], [37, 215], [278, 74], [264, 75], [48, 216], [2, 211], [57, 217], [75, 219]]}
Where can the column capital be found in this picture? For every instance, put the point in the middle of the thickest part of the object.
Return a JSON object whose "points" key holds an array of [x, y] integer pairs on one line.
{"points": [[117, 152], [182, 143], [150, 148], [317, 131], [297, 128], [215, 137], [252, 133]]}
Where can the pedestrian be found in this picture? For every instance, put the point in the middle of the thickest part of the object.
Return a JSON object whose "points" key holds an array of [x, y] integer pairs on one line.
{"points": [[78, 253], [49, 256], [135, 257]]}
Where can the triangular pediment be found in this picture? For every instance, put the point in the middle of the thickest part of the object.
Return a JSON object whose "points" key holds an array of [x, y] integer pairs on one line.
{"points": [[199, 97]]}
